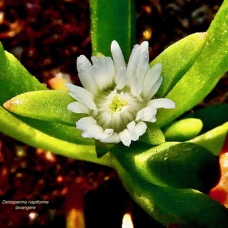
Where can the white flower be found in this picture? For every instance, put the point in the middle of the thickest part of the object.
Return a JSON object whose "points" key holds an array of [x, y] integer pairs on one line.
{"points": [[117, 98]]}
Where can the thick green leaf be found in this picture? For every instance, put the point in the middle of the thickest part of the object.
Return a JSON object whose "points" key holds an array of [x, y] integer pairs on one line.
{"points": [[17, 129], [49, 105], [153, 136], [112, 20], [57, 130], [60, 139], [182, 165], [205, 72], [211, 116], [14, 78], [181, 207], [214, 139], [102, 148], [213, 136], [178, 58], [182, 130]]}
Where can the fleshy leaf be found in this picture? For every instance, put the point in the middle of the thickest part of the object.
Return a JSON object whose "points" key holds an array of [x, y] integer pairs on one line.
{"points": [[17, 129], [177, 59], [57, 130], [102, 148], [214, 139], [213, 136], [182, 130], [14, 78], [153, 136], [171, 206], [182, 165], [205, 72], [211, 116], [49, 105], [112, 20]]}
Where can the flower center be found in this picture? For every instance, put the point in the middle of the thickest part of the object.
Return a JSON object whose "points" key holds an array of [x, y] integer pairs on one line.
{"points": [[116, 110], [117, 104]]}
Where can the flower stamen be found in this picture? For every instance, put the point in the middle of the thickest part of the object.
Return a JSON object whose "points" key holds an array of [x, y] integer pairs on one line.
{"points": [[117, 104]]}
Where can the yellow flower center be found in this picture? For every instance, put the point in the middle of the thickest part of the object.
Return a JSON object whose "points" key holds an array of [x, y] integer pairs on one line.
{"points": [[116, 110], [117, 104]]}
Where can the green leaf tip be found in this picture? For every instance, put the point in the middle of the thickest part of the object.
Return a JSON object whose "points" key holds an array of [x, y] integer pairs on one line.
{"points": [[14, 78], [205, 73], [48, 105], [211, 116], [215, 127], [177, 59], [214, 139], [183, 130]]}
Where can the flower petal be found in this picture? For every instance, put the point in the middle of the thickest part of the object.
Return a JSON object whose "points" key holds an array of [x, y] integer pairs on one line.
{"points": [[117, 55], [162, 103], [121, 78], [132, 133], [140, 128], [85, 123], [78, 107], [84, 74], [142, 67], [125, 137], [151, 78], [111, 138], [82, 95], [147, 114], [94, 131], [154, 88], [103, 71], [134, 86], [132, 63]]}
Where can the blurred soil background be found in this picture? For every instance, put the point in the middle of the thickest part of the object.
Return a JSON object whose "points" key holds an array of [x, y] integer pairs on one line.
{"points": [[47, 36]]}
